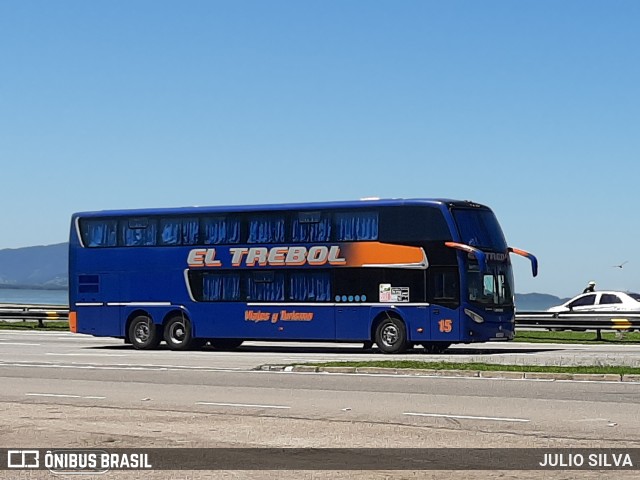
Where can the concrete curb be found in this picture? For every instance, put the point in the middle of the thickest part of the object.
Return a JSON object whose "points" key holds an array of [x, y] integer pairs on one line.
{"points": [[578, 377]]}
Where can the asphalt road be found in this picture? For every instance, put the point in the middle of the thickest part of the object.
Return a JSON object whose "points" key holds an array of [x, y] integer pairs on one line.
{"points": [[62, 390], [67, 348]]}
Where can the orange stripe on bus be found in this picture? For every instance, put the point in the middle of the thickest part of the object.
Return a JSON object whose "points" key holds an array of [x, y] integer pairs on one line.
{"points": [[73, 322], [376, 253]]}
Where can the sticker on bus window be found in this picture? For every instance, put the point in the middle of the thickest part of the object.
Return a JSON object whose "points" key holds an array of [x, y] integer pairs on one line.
{"points": [[391, 294]]}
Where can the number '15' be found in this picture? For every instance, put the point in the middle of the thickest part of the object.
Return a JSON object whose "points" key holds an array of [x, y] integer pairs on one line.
{"points": [[445, 325]]}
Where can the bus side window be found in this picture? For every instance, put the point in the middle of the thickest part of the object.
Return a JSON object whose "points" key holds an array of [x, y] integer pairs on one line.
{"points": [[137, 232], [444, 287], [265, 286], [219, 230], [99, 232], [354, 226], [310, 227], [266, 229]]}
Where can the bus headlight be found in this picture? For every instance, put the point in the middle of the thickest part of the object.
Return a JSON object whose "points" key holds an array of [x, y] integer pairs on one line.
{"points": [[474, 316]]}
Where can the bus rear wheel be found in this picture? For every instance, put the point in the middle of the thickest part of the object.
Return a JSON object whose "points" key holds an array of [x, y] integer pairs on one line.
{"points": [[391, 336], [178, 335], [225, 343], [143, 333]]}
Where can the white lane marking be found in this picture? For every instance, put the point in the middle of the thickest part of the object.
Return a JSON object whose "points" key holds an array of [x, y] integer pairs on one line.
{"points": [[86, 354], [63, 395], [2, 342], [67, 336], [51, 333], [82, 367], [125, 366], [246, 405], [467, 417]]}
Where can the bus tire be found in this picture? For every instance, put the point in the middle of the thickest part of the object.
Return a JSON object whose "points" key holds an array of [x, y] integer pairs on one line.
{"points": [[435, 347], [143, 333], [391, 335], [178, 334], [225, 343]]}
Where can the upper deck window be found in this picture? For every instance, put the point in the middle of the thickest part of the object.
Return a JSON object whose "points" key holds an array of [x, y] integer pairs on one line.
{"points": [[311, 227], [220, 230], [136, 232], [351, 226], [266, 229], [415, 224], [179, 231], [99, 232]]}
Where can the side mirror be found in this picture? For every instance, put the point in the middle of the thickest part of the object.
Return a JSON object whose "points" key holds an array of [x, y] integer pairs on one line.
{"points": [[478, 254], [531, 257]]}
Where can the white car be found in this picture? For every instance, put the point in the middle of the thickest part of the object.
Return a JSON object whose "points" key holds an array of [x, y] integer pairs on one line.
{"points": [[600, 301]]}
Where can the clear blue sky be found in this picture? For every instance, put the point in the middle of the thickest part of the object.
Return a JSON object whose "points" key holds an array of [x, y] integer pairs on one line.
{"points": [[531, 107]]}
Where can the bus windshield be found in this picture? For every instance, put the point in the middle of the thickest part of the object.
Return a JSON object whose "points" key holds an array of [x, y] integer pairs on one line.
{"points": [[479, 228], [491, 288]]}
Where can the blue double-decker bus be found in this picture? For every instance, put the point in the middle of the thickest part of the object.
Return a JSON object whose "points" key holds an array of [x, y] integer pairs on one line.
{"points": [[397, 273]]}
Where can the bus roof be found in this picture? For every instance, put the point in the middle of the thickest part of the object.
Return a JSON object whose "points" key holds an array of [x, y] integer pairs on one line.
{"points": [[350, 204]]}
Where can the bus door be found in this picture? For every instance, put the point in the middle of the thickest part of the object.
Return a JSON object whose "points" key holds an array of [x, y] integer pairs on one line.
{"points": [[444, 299]]}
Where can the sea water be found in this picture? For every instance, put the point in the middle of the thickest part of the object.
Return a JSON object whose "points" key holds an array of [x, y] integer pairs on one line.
{"points": [[34, 297]]}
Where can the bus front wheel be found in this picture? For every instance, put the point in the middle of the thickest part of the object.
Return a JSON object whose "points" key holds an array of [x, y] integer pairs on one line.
{"points": [[177, 334], [143, 333], [391, 336]]}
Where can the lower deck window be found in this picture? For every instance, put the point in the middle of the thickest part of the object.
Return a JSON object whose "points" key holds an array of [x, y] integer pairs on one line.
{"points": [[261, 286], [221, 287]]}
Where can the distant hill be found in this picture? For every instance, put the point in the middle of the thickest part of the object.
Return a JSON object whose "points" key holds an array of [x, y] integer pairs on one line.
{"points": [[40, 267], [537, 301]]}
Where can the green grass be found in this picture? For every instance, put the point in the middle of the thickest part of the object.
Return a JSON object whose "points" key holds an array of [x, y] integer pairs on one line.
{"points": [[543, 336], [485, 367], [29, 325]]}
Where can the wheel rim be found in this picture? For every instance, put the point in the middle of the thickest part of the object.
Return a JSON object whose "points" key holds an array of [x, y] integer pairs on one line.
{"points": [[178, 332], [390, 335], [142, 332]]}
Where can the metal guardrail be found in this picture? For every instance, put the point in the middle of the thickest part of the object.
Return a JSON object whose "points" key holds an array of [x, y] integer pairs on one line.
{"points": [[613, 320], [39, 313]]}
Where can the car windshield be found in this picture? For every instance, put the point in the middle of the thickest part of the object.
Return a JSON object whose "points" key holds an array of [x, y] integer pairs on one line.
{"points": [[583, 300], [480, 228], [635, 296]]}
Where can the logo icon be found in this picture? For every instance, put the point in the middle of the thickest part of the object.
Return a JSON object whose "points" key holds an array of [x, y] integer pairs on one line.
{"points": [[23, 459]]}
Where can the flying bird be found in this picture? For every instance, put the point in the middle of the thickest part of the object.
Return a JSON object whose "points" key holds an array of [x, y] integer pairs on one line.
{"points": [[620, 265]]}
